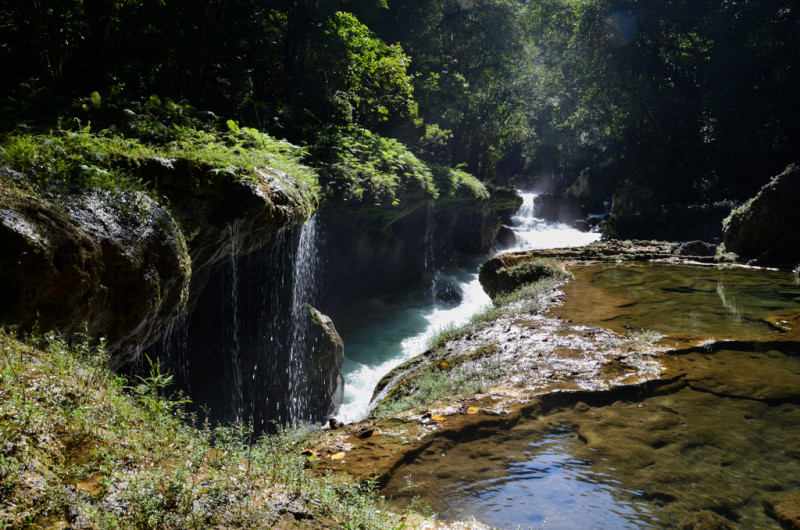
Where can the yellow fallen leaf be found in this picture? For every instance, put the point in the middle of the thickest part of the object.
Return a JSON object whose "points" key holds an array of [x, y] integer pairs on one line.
{"points": [[438, 418], [472, 410], [337, 456], [443, 365]]}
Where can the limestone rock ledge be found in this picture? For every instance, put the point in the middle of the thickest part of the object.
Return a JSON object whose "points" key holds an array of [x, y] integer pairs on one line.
{"points": [[221, 215], [110, 263], [389, 247], [116, 263]]}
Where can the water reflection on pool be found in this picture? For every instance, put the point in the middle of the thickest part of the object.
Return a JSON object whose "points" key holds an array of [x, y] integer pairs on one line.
{"points": [[545, 486]]}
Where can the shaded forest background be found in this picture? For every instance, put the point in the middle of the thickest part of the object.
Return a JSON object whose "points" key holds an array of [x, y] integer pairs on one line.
{"points": [[698, 100]]}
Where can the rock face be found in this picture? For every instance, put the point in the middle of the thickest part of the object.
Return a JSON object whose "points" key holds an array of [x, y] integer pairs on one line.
{"points": [[559, 207], [766, 227], [236, 350], [370, 249], [695, 248], [111, 263], [211, 209], [637, 213]]}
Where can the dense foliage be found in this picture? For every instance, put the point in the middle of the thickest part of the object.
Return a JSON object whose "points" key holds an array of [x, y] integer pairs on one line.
{"points": [[693, 99]]}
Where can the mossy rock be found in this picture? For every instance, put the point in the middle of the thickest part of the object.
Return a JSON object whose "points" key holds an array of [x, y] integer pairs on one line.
{"points": [[110, 263], [766, 226], [508, 272]]}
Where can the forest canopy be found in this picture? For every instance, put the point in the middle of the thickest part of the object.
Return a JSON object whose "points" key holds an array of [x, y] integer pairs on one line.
{"points": [[696, 99]]}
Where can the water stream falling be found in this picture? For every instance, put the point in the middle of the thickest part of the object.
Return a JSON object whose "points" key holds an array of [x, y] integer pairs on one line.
{"points": [[242, 354], [430, 249], [234, 366], [381, 334], [304, 292]]}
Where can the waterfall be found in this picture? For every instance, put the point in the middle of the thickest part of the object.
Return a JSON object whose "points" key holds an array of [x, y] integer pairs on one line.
{"points": [[234, 354], [304, 292], [534, 233], [528, 208], [243, 352], [400, 329], [430, 250]]}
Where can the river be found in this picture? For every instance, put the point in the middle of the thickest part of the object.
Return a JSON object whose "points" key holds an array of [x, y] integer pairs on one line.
{"points": [[380, 334]]}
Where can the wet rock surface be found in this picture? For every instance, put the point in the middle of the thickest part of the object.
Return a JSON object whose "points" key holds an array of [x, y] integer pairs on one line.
{"points": [[502, 276], [559, 207], [376, 249], [616, 251], [108, 263]]}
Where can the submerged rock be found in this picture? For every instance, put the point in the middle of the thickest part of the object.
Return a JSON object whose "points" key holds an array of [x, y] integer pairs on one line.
{"points": [[786, 511], [705, 520], [110, 263]]}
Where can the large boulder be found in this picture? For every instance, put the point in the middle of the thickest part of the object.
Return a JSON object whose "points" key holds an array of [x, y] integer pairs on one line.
{"points": [[106, 262], [324, 381], [766, 227], [506, 273], [559, 207]]}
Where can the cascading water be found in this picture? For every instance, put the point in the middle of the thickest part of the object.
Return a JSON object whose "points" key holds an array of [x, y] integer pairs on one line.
{"points": [[242, 355], [234, 357], [535, 233], [430, 249], [304, 292], [381, 334]]}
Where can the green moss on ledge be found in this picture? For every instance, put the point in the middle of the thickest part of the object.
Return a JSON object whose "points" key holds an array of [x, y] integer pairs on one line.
{"points": [[83, 158]]}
